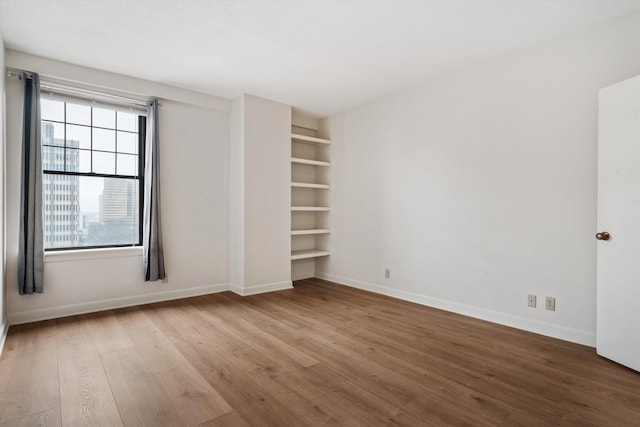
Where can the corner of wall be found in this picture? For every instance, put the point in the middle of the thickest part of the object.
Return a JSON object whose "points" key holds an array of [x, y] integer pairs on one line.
{"points": [[303, 119], [4, 327], [260, 289], [236, 183]]}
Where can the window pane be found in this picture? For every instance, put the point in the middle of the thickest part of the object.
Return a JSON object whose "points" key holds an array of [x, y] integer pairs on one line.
{"points": [[51, 110], [78, 114], [78, 137], [61, 198], [52, 134], [78, 160], [72, 161], [104, 163], [90, 211], [104, 118], [118, 212], [87, 211], [127, 121], [127, 164], [127, 142], [104, 139], [52, 158]]}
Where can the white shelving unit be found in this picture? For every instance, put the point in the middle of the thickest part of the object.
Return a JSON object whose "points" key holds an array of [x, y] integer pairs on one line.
{"points": [[309, 202], [310, 185], [311, 231], [309, 162], [309, 209], [312, 139], [310, 253]]}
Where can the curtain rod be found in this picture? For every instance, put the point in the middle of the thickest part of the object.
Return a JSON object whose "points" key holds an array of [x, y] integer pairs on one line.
{"points": [[16, 73], [62, 89], [67, 89]]}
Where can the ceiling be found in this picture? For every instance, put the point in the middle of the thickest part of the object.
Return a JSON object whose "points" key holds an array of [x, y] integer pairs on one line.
{"points": [[321, 56]]}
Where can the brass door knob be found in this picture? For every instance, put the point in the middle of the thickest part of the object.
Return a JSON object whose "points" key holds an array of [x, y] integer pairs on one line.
{"points": [[603, 235]]}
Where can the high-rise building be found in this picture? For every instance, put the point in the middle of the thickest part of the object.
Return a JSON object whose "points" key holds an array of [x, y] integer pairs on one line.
{"points": [[119, 200], [60, 192], [119, 211]]}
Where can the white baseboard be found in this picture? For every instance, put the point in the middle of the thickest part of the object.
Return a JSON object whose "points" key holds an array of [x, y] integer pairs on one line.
{"points": [[4, 330], [543, 328], [108, 304], [260, 289]]}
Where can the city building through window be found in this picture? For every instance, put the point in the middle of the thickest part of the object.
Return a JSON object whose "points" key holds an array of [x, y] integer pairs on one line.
{"points": [[93, 171]]}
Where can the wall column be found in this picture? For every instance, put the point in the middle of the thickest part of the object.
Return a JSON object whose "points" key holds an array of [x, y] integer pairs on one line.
{"points": [[260, 195]]}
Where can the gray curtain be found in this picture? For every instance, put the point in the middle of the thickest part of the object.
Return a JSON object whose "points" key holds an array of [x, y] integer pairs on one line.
{"points": [[152, 231], [31, 250]]}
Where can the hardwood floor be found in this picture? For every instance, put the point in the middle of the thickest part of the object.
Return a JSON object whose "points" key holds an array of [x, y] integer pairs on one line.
{"points": [[319, 354]]}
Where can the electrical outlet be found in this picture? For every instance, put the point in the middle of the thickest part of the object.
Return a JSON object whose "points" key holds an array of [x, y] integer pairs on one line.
{"points": [[551, 304], [531, 301], [387, 273]]}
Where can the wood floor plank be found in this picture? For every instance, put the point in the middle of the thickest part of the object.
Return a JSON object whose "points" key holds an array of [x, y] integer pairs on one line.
{"points": [[132, 317], [32, 384], [595, 397], [383, 380], [48, 418], [85, 395], [232, 419], [193, 396], [320, 354], [228, 345], [299, 396], [254, 404], [30, 337], [162, 374], [347, 401], [411, 372], [502, 379], [141, 400], [5, 376], [255, 336], [108, 332]]}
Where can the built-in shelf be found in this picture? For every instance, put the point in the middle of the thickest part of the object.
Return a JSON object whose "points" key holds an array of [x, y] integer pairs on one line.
{"points": [[309, 185], [312, 231], [313, 139], [310, 253], [309, 162], [310, 208]]}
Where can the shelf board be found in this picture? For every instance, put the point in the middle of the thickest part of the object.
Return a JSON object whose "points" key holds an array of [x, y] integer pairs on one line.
{"points": [[309, 162], [305, 138], [309, 185], [313, 253], [312, 231], [310, 208]]}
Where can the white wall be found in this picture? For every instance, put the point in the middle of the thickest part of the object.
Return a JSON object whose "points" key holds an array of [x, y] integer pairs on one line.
{"points": [[480, 188], [267, 192], [3, 310], [194, 150], [236, 206], [261, 200]]}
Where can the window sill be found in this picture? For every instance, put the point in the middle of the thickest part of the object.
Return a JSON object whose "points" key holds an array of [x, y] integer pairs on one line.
{"points": [[86, 254]]}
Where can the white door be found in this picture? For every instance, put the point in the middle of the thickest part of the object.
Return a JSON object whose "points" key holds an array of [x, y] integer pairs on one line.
{"points": [[618, 295]]}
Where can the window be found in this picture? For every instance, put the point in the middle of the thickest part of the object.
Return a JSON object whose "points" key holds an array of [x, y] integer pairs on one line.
{"points": [[93, 172]]}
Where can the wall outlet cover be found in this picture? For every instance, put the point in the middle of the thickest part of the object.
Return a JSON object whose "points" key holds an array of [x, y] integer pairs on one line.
{"points": [[550, 304]]}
